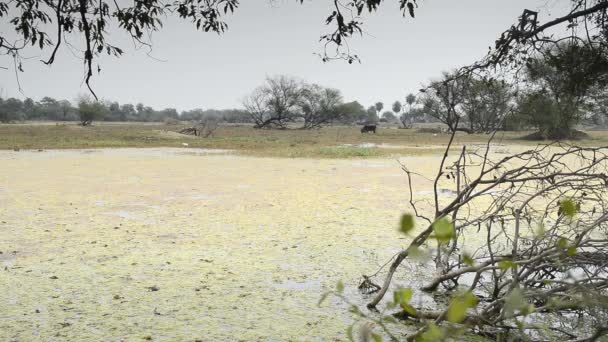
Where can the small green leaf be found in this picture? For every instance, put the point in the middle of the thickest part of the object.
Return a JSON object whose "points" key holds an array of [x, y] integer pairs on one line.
{"points": [[390, 319], [528, 309], [459, 306], [432, 334], [468, 260], [407, 223], [562, 243], [403, 296], [568, 207], [409, 309], [444, 230], [506, 265], [470, 299], [340, 286], [571, 251], [457, 312]]}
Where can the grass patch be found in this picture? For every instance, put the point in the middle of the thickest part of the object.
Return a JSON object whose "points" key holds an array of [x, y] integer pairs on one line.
{"points": [[330, 142]]}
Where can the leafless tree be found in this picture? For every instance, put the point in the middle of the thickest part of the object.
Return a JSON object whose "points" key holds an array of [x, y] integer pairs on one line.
{"points": [[283, 100], [443, 100], [486, 102], [543, 215], [320, 106], [276, 103]]}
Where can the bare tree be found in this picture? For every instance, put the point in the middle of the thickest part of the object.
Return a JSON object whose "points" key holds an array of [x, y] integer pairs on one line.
{"points": [[443, 100], [320, 106], [485, 103], [276, 103], [256, 107]]}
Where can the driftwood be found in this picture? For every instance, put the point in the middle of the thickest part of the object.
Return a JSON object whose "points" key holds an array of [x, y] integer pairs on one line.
{"points": [[204, 128]]}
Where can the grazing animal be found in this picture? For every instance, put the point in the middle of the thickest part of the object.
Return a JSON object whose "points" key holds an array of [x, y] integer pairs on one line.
{"points": [[368, 128]]}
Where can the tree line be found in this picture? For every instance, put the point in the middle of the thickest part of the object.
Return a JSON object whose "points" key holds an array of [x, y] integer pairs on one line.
{"points": [[86, 110]]}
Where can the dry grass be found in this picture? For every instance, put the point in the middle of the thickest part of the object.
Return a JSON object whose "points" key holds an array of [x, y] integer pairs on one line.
{"points": [[331, 142]]}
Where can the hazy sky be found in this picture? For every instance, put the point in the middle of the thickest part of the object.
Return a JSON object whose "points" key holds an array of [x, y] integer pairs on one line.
{"points": [[204, 70]]}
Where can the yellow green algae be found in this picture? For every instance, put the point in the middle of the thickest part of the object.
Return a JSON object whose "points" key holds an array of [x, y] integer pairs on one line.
{"points": [[173, 244]]}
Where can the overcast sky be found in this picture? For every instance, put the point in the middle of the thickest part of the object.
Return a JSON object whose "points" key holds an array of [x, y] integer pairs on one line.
{"points": [[204, 70]]}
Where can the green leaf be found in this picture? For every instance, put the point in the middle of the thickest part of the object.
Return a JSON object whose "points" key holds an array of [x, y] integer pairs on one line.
{"points": [[403, 296], [432, 334], [468, 260], [506, 265], [562, 243], [376, 337], [390, 319], [571, 251], [340, 286], [407, 223], [568, 207], [457, 312], [459, 306], [470, 299], [409, 309], [528, 309], [444, 230]]}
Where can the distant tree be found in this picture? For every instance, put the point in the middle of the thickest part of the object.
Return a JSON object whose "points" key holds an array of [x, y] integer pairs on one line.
{"points": [[319, 105], [407, 117], [372, 115], [29, 107], [89, 110], [397, 107], [275, 103], [48, 109], [443, 100], [127, 112], [11, 109], [114, 113], [140, 109], [169, 113], [561, 80], [389, 116], [66, 110], [379, 106], [192, 115], [352, 112], [486, 102], [235, 116], [410, 99]]}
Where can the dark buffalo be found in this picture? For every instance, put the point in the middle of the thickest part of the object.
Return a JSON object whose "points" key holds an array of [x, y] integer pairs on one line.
{"points": [[368, 128]]}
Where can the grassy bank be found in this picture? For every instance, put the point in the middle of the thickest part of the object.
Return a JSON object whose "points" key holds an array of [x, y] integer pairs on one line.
{"points": [[331, 142]]}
